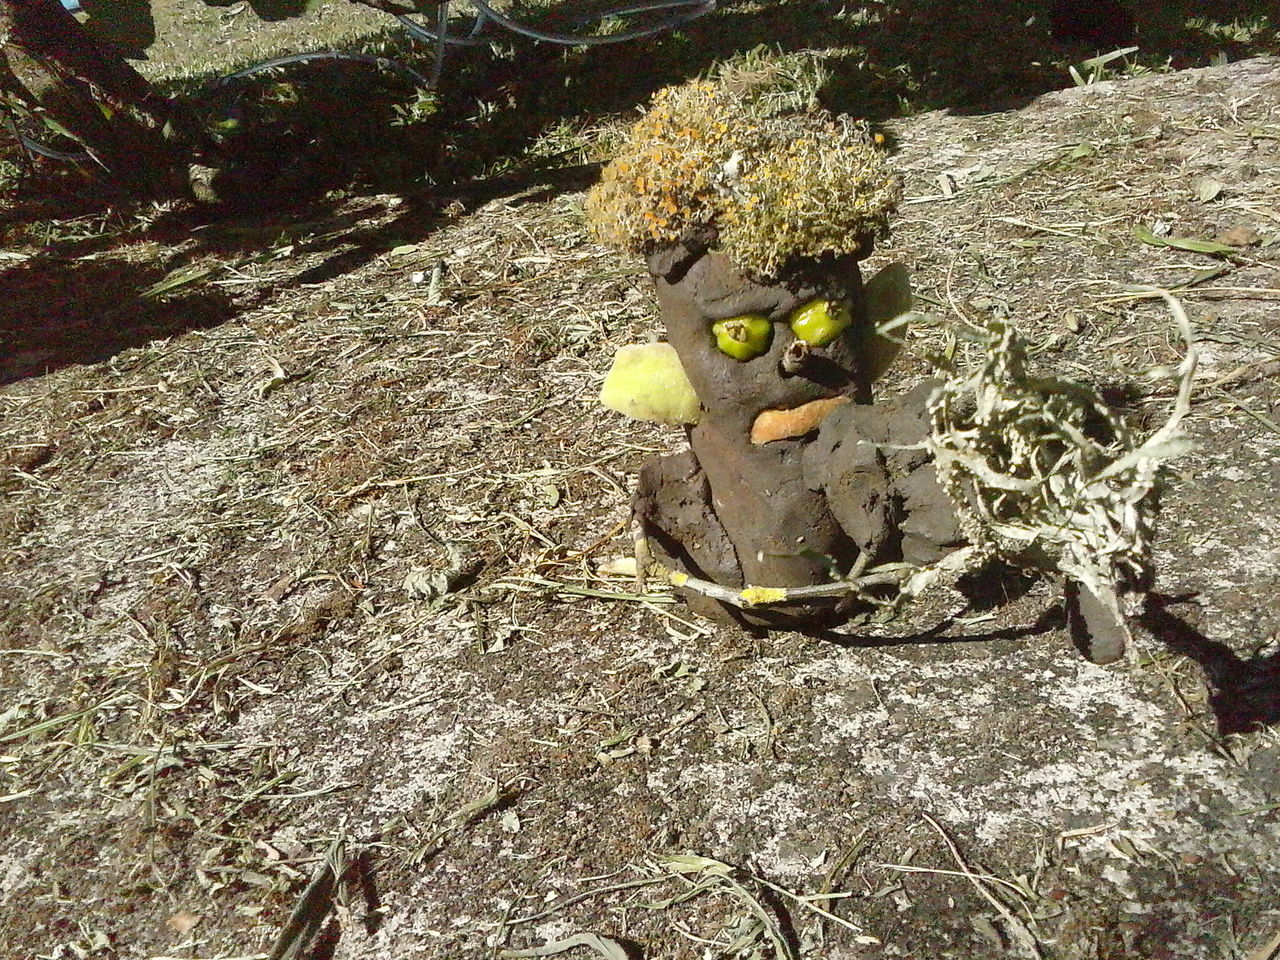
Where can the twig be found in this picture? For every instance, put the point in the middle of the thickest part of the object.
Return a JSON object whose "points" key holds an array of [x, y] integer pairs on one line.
{"points": [[1186, 369], [1268, 951], [1190, 290], [1020, 929], [810, 905], [1243, 408], [758, 596], [315, 904], [781, 946], [586, 894]]}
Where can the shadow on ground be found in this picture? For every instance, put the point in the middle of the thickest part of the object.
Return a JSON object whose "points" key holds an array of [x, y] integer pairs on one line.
{"points": [[1245, 691], [505, 107], [55, 312]]}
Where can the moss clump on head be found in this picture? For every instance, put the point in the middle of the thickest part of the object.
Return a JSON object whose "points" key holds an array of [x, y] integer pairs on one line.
{"points": [[661, 187], [716, 165]]}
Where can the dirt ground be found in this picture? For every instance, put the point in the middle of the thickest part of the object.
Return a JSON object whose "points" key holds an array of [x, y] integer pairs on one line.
{"points": [[299, 564]]}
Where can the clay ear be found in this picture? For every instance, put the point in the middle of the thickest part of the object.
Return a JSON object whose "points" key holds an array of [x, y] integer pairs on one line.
{"points": [[648, 382], [888, 300]]}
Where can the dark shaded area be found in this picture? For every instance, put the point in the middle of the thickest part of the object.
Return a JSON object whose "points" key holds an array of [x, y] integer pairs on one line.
{"points": [[77, 303], [1101, 23], [56, 311], [296, 128], [326, 943], [1244, 691], [945, 632], [362, 875], [58, 308], [996, 586], [297, 131], [77, 85]]}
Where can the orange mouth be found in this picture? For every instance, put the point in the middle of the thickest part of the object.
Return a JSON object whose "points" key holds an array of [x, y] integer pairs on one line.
{"points": [[773, 425]]}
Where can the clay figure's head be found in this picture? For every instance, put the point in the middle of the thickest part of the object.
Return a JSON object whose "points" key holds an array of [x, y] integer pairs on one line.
{"points": [[753, 219], [753, 349]]}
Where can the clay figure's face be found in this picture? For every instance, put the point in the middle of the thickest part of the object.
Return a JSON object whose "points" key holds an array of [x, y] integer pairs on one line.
{"points": [[738, 341]]}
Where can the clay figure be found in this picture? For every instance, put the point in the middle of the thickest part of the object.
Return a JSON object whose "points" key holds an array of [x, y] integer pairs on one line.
{"points": [[800, 500]]}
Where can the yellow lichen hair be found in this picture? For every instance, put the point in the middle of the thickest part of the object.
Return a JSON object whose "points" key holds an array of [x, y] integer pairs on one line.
{"points": [[710, 162]]}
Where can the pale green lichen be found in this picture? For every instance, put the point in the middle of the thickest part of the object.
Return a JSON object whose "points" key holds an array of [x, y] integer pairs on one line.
{"points": [[716, 162]]}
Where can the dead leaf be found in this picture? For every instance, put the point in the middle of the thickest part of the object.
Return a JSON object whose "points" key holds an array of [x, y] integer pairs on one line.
{"points": [[281, 588], [1241, 235], [1207, 189], [183, 922]]}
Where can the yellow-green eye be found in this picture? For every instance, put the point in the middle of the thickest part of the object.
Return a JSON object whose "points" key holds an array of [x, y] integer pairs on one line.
{"points": [[820, 321], [744, 337]]}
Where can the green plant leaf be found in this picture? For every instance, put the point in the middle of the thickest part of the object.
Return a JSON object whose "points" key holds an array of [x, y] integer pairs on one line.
{"points": [[182, 277], [1103, 59], [58, 128], [1183, 243]]}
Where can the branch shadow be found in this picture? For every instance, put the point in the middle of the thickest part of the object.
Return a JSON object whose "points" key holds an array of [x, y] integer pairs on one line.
{"points": [[494, 109], [1244, 692], [1053, 618]]}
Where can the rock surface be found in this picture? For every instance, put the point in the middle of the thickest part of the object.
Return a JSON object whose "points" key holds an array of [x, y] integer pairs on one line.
{"points": [[204, 620]]}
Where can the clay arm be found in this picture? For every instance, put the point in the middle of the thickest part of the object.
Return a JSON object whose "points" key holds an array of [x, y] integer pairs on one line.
{"points": [[910, 580]]}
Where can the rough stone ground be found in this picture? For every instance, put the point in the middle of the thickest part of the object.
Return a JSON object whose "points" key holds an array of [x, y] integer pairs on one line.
{"points": [[306, 551]]}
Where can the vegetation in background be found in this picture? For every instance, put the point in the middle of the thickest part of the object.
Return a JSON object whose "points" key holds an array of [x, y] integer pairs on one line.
{"points": [[511, 103]]}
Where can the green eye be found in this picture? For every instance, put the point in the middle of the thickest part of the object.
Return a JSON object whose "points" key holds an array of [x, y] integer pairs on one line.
{"points": [[820, 321], [745, 337]]}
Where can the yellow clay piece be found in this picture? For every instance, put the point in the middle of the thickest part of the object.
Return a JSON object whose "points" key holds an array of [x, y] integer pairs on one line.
{"points": [[754, 596], [648, 382]]}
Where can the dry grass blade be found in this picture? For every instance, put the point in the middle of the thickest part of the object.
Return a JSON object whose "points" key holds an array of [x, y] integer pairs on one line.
{"points": [[1021, 932], [606, 947], [61, 719], [463, 817], [314, 906], [719, 874], [585, 895], [809, 905], [1268, 951]]}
